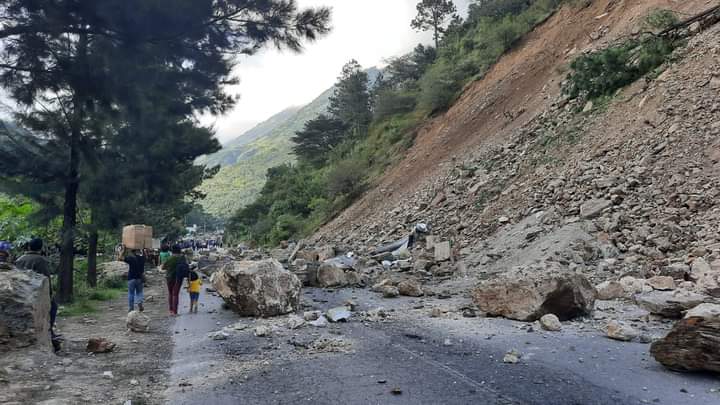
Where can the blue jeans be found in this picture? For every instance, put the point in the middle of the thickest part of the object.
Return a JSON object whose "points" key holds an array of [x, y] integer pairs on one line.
{"points": [[135, 293]]}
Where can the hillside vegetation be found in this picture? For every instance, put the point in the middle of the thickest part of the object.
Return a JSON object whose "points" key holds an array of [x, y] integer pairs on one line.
{"points": [[299, 197]]}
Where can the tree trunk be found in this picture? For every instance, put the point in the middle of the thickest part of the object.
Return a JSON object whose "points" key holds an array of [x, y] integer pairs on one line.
{"points": [[72, 184], [67, 252], [92, 257]]}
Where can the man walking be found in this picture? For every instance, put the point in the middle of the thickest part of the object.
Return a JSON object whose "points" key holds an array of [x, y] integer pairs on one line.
{"points": [[136, 273]]}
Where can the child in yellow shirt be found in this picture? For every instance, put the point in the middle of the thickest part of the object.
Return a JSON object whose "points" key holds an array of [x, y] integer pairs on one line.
{"points": [[194, 284]]}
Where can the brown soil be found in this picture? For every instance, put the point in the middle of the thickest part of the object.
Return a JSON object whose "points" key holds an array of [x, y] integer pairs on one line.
{"points": [[520, 86]]}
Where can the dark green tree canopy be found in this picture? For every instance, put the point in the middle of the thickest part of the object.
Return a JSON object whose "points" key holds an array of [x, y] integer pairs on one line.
{"points": [[350, 102], [434, 15], [317, 138]]}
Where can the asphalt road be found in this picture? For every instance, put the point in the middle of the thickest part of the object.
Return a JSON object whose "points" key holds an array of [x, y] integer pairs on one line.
{"points": [[422, 361]]}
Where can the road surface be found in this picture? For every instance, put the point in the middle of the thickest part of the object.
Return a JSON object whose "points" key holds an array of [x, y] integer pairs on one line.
{"points": [[415, 359]]}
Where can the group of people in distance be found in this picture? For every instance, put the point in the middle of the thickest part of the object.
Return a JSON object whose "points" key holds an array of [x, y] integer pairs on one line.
{"points": [[177, 269]]}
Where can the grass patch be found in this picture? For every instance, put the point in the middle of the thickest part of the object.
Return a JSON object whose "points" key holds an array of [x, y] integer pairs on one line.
{"points": [[87, 299]]}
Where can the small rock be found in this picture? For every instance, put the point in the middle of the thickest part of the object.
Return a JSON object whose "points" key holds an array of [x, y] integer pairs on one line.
{"points": [[134, 382], [311, 315], [263, 331], [410, 288], [511, 357], [338, 314], [551, 323], [321, 322], [219, 335], [295, 322], [662, 283], [108, 374], [390, 291], [618, 331]]}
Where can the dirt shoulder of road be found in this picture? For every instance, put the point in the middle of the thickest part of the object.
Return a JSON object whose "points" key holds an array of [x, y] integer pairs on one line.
{"points": [[139, 365]]}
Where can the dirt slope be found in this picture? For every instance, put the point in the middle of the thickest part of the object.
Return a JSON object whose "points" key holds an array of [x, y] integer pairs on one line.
{"points": [[522, 87]]}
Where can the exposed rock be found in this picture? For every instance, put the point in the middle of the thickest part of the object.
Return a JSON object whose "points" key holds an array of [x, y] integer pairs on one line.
{"points": [[295, 322], [381, 285], [261, 288], [219, 335], [100, 345], [390, 291], [694, 342], [662, 283], [442, 251], [511, 357], [550, 322], [263, 331], [670, 304], [634, 285], [311, 315], [706, 277], [330, 275], [113, 271], [527, 296], [610, 290], [281, 255], [593, 208], [24, 310], [622, 332], [321, 322], [325, 253], [137, 322], [338, 314], [410, 288]]}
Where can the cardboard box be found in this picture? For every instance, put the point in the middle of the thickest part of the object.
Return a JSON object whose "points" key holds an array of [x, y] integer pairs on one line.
{"points": [[137, 237]]}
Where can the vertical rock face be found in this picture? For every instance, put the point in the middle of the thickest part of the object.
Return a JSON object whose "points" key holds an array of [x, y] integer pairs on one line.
{"points": [[258, 288], [24, 310], [527, 296], [694, 342]]}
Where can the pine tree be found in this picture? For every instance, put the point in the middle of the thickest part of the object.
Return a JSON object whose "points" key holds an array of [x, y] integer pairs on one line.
{"points": [[434, 15], [68, 64], [317, 138], [350, 102]]}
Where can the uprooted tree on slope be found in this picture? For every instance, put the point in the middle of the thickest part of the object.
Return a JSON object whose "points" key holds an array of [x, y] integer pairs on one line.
{"points": [[67, 65]]}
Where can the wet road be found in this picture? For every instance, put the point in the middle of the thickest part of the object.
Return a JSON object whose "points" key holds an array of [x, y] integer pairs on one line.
{"points": [[426, 361]]}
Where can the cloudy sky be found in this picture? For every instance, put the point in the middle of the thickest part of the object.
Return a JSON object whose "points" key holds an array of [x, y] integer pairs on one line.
{"points": [[367, 30]]}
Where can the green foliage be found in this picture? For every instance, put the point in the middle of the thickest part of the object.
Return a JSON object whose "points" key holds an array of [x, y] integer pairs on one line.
{"points": [[660, 19], [469, 50], [434, 15], [604, 72], [318, 138], [350, 102]]}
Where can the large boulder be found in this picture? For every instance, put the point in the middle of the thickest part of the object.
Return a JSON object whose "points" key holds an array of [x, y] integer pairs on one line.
{"points": [[25, 310], [670, 304], [694, 342], [113, 271], [258, 288], [330, 274], [527, 295], [706, 276]]}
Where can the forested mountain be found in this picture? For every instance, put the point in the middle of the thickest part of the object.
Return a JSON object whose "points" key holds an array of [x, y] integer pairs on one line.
{"points": [[246, 160]]}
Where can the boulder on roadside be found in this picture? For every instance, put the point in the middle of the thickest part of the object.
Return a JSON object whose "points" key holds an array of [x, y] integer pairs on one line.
{"points": [[410, 288], [670, 304], [662, 283], [706, 277], [611, 290], [100, 345], [694, 342], [551, 323], [390, 291], [528, 295], [137, 322], [113, 271], [258, 288], [329, 274], [622, 332], [24, 310]]}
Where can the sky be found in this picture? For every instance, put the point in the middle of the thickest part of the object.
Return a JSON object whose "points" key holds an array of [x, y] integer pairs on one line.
{"points": [[369, 31]]}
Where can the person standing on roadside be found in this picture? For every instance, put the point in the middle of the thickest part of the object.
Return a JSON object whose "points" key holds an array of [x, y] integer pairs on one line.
{"points": [[33, 260], [176, 269], [136, 275], [5, 264]]}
